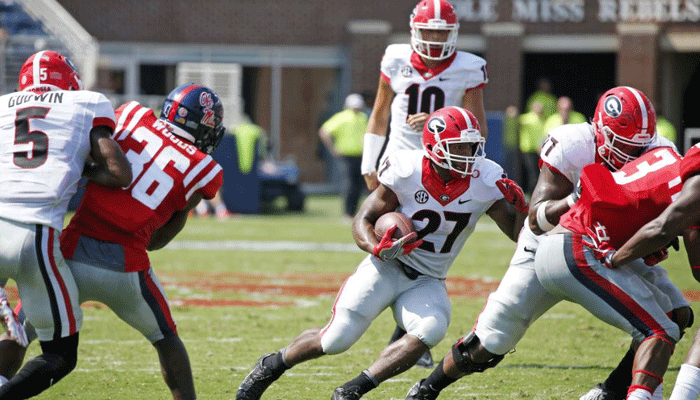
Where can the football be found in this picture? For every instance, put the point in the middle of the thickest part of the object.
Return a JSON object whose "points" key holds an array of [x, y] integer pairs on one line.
{"points": [[386, 221]]}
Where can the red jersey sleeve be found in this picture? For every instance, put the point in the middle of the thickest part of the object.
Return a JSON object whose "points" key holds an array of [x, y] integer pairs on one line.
{"points": [[206, 177], [690, 165]]}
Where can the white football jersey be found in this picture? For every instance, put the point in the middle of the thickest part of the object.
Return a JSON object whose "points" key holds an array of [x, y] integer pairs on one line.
{"points": [[443, 216], [567, 149], [44, 143], [421, 90]]}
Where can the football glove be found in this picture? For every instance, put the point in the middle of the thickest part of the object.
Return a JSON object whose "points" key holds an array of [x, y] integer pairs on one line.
{"points": [[661, 254], [604, 255], [513, 194], [388, 248], [10, 321], [656, 257]]}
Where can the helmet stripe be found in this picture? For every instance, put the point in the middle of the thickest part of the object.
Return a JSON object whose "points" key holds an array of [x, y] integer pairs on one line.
{"points": [[437, 9], [643, 108], [36, 70], [466, 117], [178, 99]]}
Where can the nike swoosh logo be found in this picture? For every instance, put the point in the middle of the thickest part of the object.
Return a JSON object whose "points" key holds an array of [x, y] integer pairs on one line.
{"points": [[462, 202], [442, 79]]}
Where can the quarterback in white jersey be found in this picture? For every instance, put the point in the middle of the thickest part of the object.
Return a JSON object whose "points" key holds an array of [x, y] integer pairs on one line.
{"points": [[520, 298], [418, 79], [51, 133], [444, 190]]}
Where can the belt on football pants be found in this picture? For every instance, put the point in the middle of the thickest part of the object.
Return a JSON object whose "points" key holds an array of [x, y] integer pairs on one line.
{"points": [[410, 272]]}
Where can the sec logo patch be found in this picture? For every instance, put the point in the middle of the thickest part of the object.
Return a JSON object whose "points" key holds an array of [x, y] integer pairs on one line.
{"points": [[421, 197]]}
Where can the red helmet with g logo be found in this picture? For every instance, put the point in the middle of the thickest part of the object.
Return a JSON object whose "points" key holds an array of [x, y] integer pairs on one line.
{"points": [[49, 70], [446, 127], [625, 125], [434, 15]]}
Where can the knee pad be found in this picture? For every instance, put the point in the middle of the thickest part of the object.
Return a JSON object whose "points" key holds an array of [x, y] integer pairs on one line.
{"points": [[463, 359]]}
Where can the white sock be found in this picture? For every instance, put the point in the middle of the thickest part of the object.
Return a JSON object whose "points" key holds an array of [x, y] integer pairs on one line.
{"points": [[639, 394], [687, 385], [658, 393]]}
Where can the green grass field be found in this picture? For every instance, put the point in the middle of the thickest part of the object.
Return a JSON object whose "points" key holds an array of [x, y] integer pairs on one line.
{"points": [[233, 305]]}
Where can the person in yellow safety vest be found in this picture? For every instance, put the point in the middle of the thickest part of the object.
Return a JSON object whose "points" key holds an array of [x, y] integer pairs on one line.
{"points": [[665, 128], [531, 138], [565, 115], [248, 135], [544, 95], [342, 135]]}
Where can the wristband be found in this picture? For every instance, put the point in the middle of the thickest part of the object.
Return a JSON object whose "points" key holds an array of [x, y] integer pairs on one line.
{"points": [[542, 222], [372, 146], [570, 200]]}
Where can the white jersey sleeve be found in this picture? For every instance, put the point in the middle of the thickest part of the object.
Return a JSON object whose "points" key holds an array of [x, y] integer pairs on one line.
{"points": [[46, 140], [444, 219], [568, 149], [419, 89], [660, 141]]}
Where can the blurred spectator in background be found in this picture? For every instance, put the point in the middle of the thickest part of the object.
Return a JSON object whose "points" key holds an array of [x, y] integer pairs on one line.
{"points": [[544, 95], [510, 140], [249, 138], [665, 128], [565, 115], [342, 135], [531, 137]]}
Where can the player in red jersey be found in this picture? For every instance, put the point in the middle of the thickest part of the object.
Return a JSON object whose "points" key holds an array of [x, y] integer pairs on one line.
{"points": [[653, 236], [573, 261], [106, 241]]}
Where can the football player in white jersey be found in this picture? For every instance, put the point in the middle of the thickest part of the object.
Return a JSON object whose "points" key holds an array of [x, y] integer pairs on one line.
{"points": [[416, 80], [624, 120], [51, 133], [444, 189]]}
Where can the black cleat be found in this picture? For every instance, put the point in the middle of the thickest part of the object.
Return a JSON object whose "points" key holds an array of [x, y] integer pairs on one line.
{"points": [[426, 360], [421, 392], [340, 393], [257, 381]]}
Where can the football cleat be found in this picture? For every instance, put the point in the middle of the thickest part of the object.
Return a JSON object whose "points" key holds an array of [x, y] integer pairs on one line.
{"points": [[340, 393], [426, 360], [421, 392], [10, 322], [601, 393], [257, 381]]}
